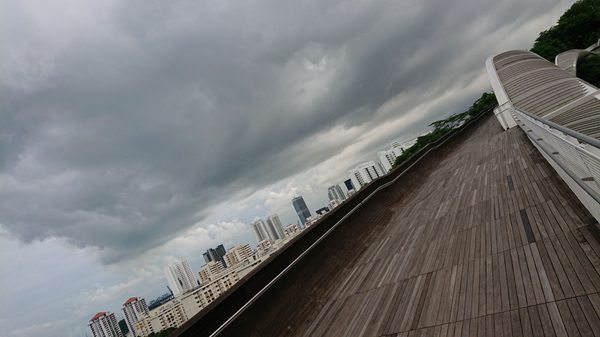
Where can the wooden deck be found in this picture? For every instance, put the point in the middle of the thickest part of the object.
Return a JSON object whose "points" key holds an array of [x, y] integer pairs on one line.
{"points": [[483, 240]]}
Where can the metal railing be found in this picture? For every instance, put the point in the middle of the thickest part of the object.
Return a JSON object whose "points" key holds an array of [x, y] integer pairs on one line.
{"points": [[576, 154]]}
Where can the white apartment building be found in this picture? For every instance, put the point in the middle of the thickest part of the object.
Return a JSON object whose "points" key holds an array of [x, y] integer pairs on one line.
{"points": [[387, 158], [336, 193], [238, 254], [365, 173], [333, 204], [134, 309], [143, 327], [104, 324], [264, 247], [169, 315], [180, 277], [209, 270], [292, 230]]}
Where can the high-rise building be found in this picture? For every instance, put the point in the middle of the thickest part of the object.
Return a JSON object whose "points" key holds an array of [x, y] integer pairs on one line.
{"points": [[301, 209], [104, 324], [365, 173], [180, 277], [275, 228], [215, 254], [335, 192], [260, 230], [133, 309]]}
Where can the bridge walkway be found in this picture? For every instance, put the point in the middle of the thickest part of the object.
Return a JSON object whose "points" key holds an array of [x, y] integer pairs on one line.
{"points": [[483, 240]]}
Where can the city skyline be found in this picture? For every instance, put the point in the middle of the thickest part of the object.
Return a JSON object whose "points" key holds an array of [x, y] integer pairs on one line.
{"points": [[135, 134]]}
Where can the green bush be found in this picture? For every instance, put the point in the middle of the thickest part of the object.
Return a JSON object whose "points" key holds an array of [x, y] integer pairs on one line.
{"points": [[442, 127], [577, 28]]}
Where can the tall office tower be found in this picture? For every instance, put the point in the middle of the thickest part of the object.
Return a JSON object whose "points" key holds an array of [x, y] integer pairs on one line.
{"points": [[275, 227], [335, 192], [301, 209], [133, 309], [365, 173], [180, 277], [260, 230], [215, 254], [104, 324]]}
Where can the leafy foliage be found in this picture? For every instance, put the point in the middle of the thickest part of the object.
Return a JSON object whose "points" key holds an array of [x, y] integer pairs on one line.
{"points": [[588, 69], [577, 28], [442, 127], [123, 326]]}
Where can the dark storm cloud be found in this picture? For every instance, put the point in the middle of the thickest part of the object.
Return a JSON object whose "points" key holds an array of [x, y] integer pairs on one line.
{"points": [[124, 131]]}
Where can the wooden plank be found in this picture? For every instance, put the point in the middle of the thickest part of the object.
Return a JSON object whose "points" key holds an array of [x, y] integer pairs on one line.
{"points": [[535, 322], [541, 271], [535, 281], [557, 320], [579, 317], [545, 320], [569, 323], [521, 299], [550, 272], [505, 306], [590, 315]]}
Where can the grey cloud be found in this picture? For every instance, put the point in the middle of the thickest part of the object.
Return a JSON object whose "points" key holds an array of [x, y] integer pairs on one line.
{"points": [[160, 110]]}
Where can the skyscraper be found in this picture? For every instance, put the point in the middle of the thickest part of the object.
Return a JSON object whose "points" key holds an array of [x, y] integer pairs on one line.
{"points": [[180, 277], [133, 309], [335, 192], [104, 324], [275, 228], [260, 230], [301, 209], [215, 254]]}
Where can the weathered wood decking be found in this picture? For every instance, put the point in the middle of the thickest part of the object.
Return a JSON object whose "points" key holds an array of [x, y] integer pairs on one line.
{"points": [[483, 240]]}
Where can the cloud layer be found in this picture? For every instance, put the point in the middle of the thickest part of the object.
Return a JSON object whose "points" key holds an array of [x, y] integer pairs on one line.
{"points": [[126, 123]]}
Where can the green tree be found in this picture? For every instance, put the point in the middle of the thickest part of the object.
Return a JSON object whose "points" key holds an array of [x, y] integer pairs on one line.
{"points": [[577, 28], [123, 326], [442, 127]]}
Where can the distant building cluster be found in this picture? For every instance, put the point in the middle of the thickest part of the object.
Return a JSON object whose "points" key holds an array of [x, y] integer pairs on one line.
{"points": [[191, 292]]}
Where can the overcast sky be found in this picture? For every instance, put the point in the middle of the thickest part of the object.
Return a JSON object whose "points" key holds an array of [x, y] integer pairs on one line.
{"points": [[136, 132]]}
